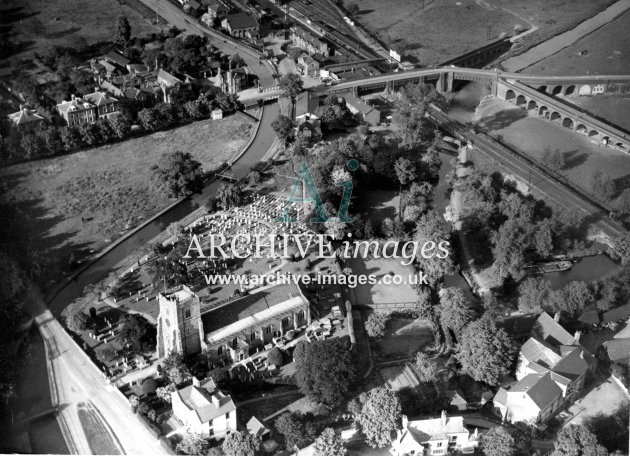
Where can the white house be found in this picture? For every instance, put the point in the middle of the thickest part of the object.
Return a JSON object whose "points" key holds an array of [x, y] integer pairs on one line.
{"points": [[434, 437], [204, 409]]}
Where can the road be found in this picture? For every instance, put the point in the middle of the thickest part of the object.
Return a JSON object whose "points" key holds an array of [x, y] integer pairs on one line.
{"points": [[527, 172], [77, 384], [176, 16]]}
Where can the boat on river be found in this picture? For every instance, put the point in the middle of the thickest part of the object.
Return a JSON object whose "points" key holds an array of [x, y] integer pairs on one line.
{"points": [[548, 267]]}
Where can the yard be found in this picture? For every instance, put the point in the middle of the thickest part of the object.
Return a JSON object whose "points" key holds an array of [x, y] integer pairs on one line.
{"points": [[85, 200], [35, 25]]}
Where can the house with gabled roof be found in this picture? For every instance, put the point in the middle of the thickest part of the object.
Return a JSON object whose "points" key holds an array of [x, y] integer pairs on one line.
{"points": [[204, 409], [437, 436], [241, 25], [106, 105], [550, 373], [77, 111]]}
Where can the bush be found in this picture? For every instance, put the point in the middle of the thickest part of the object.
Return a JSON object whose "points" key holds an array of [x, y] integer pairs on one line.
{"points": [[376, 324], [77, 321], [275, 356]]}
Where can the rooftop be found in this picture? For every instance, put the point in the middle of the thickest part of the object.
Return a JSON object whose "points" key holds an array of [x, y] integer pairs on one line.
{"points": [[241, 20], [24, 116], [206, 400]]}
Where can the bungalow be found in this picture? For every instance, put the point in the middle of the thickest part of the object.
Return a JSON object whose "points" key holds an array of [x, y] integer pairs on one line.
{"points": [[204, 409], [550, 374], [241, 25], [434, 437]]}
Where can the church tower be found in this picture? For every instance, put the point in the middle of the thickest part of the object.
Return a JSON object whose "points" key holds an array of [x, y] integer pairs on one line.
{"points": [[179, 322]]}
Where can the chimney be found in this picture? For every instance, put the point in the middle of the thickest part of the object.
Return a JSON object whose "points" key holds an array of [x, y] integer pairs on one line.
{"points": [[195, 381], [72, 97], [444, 418], [556, 317], [576, 337], [216, 401], [405, 422]]}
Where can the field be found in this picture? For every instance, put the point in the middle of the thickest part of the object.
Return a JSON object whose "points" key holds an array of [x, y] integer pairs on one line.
{"points": [[436, 31], [86, 199], [606, 52], [34, 25], [532, 136], [381, 293], [613, 108]]}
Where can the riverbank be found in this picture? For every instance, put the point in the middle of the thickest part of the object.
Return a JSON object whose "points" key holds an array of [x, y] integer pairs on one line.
{"points": [[561, 41]]}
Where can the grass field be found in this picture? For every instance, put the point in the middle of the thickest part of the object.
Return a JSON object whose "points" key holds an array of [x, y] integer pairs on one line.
{"points": [[403, 338], [532, 136], [437, 31], [110, 186], [34, 25], [607, 52]]}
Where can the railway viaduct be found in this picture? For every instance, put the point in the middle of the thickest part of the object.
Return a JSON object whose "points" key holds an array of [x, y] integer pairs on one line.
{"points": [[543, 95]]}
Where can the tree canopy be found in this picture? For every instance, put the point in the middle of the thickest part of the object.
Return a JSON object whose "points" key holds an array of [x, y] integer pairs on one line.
{"points": [[503, 441], [178, 174], [138, 333], [324, 370], [329, 443], [242, 444], [485, 351], [577, 440], [297, 429], [379, 417]]}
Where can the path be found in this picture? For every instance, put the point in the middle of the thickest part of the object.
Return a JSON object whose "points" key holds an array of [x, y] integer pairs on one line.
{"points": [[559, 42]]}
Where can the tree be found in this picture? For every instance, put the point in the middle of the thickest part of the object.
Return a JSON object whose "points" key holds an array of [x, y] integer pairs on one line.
{"points": [[297, 429], [274, 356], [509, 244], [380, 416], [485, 352], [376, 323], [292, 85], [577, 440], [455, 311], [324, 370], [283, 127], [533, 293], [242, 444], [623, 203], [353, 9], [553, 159], [603, 185], [175, 369], [193, 444], [149, 119], [427, 369], [229, 195], [623, 249], [543, 240], [77, 321], [138, 333], [178, 174], [122, 31], [164, 392], [611, 429], [329, 443], [405, 171], [503, 441], [120, 125]]}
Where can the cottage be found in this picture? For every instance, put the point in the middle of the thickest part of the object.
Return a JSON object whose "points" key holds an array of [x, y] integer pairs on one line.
{"points": [[204, 409], [308, 65], [241, 25], [215, 9], [309, 43], [434, 437], [550, 373]]}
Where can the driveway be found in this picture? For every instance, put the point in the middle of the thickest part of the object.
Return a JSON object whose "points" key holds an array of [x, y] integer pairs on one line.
{"points": [[606, 398]]}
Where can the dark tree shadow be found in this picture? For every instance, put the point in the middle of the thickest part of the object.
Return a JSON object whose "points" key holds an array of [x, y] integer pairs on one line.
{"points": [[503, 119], [573, 159]]}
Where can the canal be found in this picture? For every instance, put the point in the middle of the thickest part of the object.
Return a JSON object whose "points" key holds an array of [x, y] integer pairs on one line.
{"points": [[586, 270]]}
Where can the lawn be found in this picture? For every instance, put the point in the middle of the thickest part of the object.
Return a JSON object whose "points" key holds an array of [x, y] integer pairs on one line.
{"points": [[607, 52], [35, 25], [85, 200], [98, 436], [532, 135], [403, 338], [381, 293]]}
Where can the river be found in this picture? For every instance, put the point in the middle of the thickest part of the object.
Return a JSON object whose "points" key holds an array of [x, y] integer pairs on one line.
{"points": [[101, 268], [586, 270]]}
